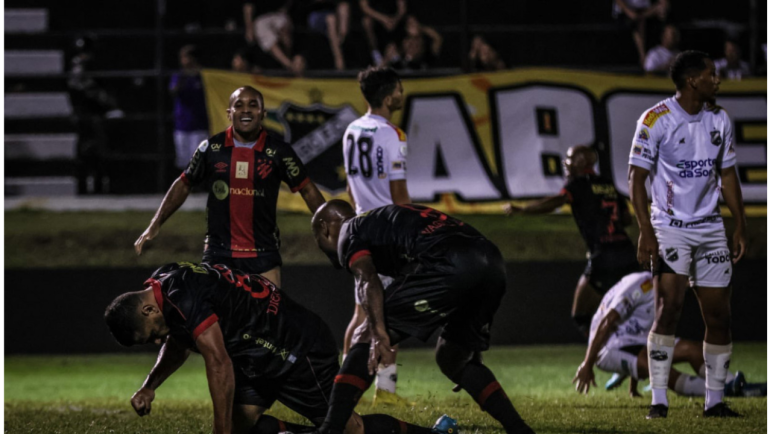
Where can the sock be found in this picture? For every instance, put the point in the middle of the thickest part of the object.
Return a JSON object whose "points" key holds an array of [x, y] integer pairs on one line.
{"points": [[702, 374], [384, 424], [386, 378], [481, 384], [270, 425], [351, 382], [690, 385], [717, 358], [660, 353]]}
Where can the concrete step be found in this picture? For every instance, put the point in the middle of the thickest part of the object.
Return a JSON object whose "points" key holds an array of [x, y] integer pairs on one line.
{"points": [[26, 20], [37, 105], [44, 186], [33, 62], [40, 146]]}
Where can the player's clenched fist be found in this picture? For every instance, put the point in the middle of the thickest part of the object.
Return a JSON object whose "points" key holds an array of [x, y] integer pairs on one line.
{"points": [[148, 234], [648, 250], [142, 401]]}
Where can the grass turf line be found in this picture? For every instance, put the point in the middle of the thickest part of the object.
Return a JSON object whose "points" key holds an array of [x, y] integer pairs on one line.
{"points": [[90, 394]]}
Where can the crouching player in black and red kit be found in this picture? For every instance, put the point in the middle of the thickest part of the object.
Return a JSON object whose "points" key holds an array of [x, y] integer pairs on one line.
{"points": [[445, 274], [259, 346]]}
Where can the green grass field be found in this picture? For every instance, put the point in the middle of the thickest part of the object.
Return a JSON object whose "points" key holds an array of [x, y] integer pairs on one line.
{"points": [[90, 394]]}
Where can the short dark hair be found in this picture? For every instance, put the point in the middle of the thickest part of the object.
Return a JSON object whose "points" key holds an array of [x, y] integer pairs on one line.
{"points": [[260, 98], [377, 83], [123, 319], [687, 63]]}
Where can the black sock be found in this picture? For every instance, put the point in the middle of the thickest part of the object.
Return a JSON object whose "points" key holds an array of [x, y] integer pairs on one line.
{"points": [[351, 382], [270, 425], [384, 424], [481, 384]]}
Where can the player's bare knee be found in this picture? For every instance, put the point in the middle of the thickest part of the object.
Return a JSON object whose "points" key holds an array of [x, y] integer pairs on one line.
{"points": [[355, 425]]}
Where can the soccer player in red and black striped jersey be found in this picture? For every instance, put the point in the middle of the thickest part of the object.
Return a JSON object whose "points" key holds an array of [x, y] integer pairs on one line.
{"points": [[445, 273], [242, 168], [259, 346]]}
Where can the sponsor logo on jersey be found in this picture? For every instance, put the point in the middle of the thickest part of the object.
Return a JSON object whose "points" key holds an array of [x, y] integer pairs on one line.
{"points": [[291, 166], [247, 192], [658, 355], [696, 168], [638, 149], [670, 197], [216, 147], [655, 114], [603, 189], [242, 170], [716, 138], [364, 129], [646, 286], [221, 167], [398, 165], [203, 146], [275, 299], [270, 152], [720, 257], [672, 254], [644, 135], [380, 164], [220, 189]]}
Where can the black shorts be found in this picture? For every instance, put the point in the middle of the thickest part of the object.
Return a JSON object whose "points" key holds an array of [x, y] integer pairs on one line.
{"points": [[458, 284], [305, 389], [607, 266], [264, 262]]}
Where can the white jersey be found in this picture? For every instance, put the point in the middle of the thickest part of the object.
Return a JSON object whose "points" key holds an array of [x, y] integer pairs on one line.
{"points": [[375, 154], [684, 154], [634, 300]]}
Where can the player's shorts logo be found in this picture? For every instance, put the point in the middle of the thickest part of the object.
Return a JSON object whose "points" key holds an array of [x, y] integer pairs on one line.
{"points": [[220, 189], [672, 254], [658, 355], [421, 306], [716, 138]]}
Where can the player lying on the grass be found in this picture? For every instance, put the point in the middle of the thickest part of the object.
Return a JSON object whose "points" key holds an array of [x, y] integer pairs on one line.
{"points": [[445, 274], [259, 346], [618, 344]]}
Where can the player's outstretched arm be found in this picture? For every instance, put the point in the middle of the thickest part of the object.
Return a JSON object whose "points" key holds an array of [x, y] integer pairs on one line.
{"points": [[312, 196], [731, 191], [585, 373], [219, 371], [171, 357], [647, 252], [543, 206], [369, 289], [174, 198]]}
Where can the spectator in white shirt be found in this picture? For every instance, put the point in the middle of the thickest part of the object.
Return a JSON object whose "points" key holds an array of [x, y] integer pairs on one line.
{"points": [[731, 66], [659, 58]]}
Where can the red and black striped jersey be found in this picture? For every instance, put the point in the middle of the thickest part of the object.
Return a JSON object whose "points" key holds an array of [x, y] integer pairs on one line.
{"points": [[243, 185], [264, 331], [396, 236]]}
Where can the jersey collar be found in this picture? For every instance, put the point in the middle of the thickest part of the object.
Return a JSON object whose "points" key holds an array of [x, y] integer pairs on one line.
{"points": [[156, 291], [230, 142], [377, 117], [688, 117]]}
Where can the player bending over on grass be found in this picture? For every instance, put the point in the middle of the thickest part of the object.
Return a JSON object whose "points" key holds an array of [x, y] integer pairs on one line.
{"points": [[445, 274], [618, 344], [685, 146], [375, 162], [259, 346]]}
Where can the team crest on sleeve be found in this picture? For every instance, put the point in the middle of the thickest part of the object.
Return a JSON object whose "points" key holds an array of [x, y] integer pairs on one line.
{"points": [[716, 138], [655, 114], [203, 146], [644, 135], [403, 151]]}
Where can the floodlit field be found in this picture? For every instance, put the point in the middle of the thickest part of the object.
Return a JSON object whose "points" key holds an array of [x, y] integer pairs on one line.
{"points": [[90, 394]]}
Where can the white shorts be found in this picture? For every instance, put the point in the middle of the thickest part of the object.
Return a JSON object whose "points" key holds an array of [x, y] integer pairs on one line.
{"points": [[386, 281], [618, 361], [700, 253], [185, 143]]}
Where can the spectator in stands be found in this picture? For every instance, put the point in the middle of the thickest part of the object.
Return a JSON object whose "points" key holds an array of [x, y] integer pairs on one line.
{"points": [[418, 50], [634, 15], [483, 57], [191, 123], [731, 66], [331, 18], [243, 62], [659, 58], [272, 30], [380, 21]]}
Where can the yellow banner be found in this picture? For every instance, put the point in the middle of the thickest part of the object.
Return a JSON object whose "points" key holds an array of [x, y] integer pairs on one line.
{"points": [[480, 140]]}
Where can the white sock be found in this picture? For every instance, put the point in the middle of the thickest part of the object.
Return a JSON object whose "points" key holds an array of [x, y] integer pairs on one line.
{"points": [[690, 385], [717, 358], [386, 378], [702, 374], [660, 353]]}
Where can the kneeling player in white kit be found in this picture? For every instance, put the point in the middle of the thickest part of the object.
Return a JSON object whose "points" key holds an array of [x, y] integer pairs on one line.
{"points": [[618, 344], [375, 162], [685, 145]]}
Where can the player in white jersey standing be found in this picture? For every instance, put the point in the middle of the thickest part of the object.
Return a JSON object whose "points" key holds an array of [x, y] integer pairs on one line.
{"points": [[375, 162], [618, 344], [685, 145]]}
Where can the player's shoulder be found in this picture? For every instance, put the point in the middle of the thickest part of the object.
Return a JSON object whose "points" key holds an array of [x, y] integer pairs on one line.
{"points": [[716, 111], [659, 112], [391, 129], [365, 124]]}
